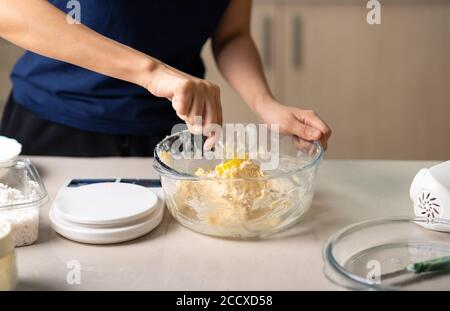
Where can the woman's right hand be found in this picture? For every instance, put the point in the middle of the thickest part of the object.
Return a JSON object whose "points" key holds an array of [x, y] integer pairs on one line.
{"points": [[191, 97]]}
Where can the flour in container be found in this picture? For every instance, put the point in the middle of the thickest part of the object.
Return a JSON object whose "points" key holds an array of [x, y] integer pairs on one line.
{"points": [[24, 221]]}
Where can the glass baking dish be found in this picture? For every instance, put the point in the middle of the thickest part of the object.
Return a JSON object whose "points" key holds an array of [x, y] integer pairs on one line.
{"points": [[22, 193], [375, 254]]}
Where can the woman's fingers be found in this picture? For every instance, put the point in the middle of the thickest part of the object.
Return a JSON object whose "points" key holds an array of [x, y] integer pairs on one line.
{"points": [[308, 133], [197, 102], [210, 110], [312, 119], [191, 97], [218, 106], [210, 142], [212, 118], [182, 104], [304, 131], [196, 112], [315, 121]]}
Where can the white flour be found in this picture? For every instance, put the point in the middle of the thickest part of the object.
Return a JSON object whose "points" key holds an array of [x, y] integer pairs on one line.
{"points": [[24, 221]]}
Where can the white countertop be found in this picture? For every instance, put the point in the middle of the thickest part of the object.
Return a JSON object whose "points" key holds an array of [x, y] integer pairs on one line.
{"points": [[174, 258]]}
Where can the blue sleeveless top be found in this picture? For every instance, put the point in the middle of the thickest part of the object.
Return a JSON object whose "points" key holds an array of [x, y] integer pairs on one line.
{"points": [[174, 31]]}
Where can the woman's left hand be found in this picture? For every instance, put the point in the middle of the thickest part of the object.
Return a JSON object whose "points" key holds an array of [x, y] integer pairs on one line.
{"points": [[304, 124]]}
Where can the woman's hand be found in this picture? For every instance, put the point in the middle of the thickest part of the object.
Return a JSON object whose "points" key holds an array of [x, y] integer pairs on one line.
{"points": [[304, 124], [191, 97]]}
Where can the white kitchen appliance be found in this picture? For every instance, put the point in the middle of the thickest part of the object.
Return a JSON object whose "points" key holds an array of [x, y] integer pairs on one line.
{"points": [[107, 211], [430, 192]]}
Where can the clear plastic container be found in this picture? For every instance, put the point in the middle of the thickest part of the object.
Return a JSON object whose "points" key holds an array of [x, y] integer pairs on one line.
{"points": [[22, 193], [374, 255], [238, 207]]}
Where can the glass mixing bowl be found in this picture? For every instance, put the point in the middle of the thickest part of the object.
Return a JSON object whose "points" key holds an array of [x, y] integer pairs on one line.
{"points": [[373, 255], [237, 207]]}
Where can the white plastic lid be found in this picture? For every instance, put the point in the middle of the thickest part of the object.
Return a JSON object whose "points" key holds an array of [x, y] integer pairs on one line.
{"points": [[105, 203], [10, 149], [106, 235], [105, 213]]}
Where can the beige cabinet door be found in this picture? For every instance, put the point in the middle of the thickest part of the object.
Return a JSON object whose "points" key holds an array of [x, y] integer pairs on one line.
{"points": [[8, 57], [384, 89], [266, 29]]}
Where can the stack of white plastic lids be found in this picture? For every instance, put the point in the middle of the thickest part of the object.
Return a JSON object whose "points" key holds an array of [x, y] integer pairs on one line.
{"points": [[106, 213]]}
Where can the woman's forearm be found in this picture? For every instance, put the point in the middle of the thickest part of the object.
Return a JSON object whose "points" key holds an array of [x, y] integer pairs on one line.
{"points": [[38, 26], [239, 62]]}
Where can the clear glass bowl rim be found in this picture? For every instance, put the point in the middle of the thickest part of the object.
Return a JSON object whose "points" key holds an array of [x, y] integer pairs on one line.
{"points": [[330, 260], [165, 170]]}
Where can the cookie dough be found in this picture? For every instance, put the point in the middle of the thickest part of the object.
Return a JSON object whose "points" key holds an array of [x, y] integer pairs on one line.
{"points": [[235, 194]]}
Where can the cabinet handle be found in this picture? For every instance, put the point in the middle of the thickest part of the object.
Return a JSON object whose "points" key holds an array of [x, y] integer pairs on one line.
{"points": [[267, 42], [297, 44]]}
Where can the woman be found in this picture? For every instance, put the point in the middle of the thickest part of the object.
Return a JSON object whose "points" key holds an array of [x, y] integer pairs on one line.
{"points": [[104, 87]]}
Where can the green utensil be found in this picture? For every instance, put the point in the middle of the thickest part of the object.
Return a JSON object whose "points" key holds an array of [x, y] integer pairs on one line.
{"points": [[437, 264], [441, 264]]}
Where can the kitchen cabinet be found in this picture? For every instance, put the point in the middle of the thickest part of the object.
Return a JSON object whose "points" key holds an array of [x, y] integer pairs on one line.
{"points": [[8, 56], [265, 31], [382, 88]]}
